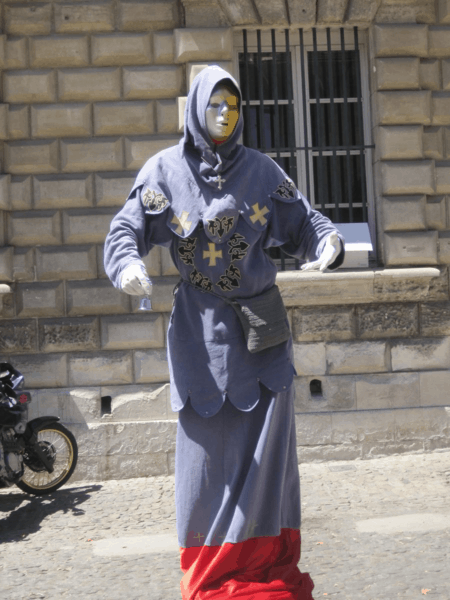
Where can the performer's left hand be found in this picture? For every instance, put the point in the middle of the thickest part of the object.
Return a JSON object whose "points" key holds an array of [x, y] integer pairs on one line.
{"points": [[331, 251]]}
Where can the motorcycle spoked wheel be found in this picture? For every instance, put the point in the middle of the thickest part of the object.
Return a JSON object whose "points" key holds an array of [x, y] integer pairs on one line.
{"points": [[60, 446]]}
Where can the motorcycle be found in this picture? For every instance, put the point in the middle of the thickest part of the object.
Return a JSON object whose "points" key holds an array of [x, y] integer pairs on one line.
{"points": [[38, 456]]}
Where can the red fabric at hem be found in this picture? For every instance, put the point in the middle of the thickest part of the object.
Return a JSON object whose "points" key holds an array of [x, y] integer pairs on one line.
{"points": [[262, 568]]}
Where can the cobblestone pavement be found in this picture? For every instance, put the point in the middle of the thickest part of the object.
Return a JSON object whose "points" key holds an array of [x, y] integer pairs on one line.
{"points": [[372, 530]]}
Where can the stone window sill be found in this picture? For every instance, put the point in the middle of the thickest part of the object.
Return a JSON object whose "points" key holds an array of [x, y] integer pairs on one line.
{"points": [[300, 288]]}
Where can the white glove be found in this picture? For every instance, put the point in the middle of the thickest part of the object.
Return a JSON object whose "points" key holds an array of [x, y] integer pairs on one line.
{"points": [[331, 251], [135, 281]]}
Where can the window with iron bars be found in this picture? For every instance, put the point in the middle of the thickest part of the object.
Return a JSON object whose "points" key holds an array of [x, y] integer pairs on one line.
{"points": [[305, 104]]}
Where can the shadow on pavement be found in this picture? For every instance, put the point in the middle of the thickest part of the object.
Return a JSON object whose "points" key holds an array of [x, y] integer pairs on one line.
{"points": [[26, 513]]}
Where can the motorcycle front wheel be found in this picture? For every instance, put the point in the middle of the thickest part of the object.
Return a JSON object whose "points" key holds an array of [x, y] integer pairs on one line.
{"points": [[61, 450]]}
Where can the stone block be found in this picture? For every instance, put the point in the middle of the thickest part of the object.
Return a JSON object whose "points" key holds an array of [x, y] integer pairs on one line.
{"points": [[436, 213], [61, 120], [338, 393], [402, 142], [365, 426], [75, 406], [407, 11], [444, 248], [398, 73], [153, 262], [434, 387], [31, 157], [420, 354], [34, 228], [430, 74], [310, 324], [387, 320], [357, 357], [435, 318], [23, 264], [63, 191], [390, 390], [40, 300], [446, 135], [181, 105], [411, 248], [4, 121], [162, 296], [77, 262], [439, 43], [59, 51], [5, 186], [82, 226], [93, 155], [21, 193], [68, 335], [163, 47], [404, 108], [101, 368], [313, 430], [151, 366], [433, 142], [95, 297], [139, 149], [167, 266], [29, 86], [445, 74], [166, 116], [89, 84], [422, 424], [16, 53], [147, 16], [401, 40], [137, 402], [404, 213], [203, 44], [6, 263], [18, 123], [112, 189], [42, 371], [137, 331], [124, 118], [440, 108], [444, 11], [408, 177], [28, 20], [121, 49], [141, 83], [18, 336], [309, 359], [78, 18], [442, 170]]}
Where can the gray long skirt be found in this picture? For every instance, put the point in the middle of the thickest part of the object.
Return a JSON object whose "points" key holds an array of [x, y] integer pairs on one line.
{"points": [[236, 473]]}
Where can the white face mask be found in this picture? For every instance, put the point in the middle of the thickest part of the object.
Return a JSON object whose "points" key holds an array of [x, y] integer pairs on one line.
{"points": [[222, 113]]}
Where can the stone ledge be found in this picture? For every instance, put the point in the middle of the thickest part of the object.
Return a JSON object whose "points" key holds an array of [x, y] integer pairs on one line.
{"points": [[300, 288], [4, 289]]}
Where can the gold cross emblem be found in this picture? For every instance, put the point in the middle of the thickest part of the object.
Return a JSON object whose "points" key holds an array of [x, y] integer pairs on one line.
{"points": [[212, 254], [199, 537], [182, 222], [259, 214], [219, 181]]}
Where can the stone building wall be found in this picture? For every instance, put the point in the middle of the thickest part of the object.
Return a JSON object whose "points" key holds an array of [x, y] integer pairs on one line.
{"points": [[90, 91]]}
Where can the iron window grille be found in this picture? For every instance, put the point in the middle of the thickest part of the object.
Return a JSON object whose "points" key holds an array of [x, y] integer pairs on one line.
{"points": [[304, 105]]}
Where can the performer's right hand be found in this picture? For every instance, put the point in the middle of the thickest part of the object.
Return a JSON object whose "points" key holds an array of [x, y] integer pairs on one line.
{"points": [[135, 281]]}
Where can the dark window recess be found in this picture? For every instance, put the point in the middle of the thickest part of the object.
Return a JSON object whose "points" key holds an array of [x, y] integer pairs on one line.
{"points": [[331, 133], [315, 387], [105, 406]]}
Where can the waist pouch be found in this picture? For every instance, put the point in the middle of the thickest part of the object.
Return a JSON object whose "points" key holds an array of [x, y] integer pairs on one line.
{"points": [[263, 318]]}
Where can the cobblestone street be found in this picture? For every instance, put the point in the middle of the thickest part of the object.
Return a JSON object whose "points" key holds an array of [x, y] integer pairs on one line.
{"points": [[372, 530]]}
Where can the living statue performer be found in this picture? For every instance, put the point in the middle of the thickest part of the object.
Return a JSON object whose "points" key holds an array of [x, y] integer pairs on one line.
{"points": [[218, 205]]}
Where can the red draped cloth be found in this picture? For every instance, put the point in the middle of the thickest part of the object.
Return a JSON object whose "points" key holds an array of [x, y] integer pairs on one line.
{"points": [[263, 568]]}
